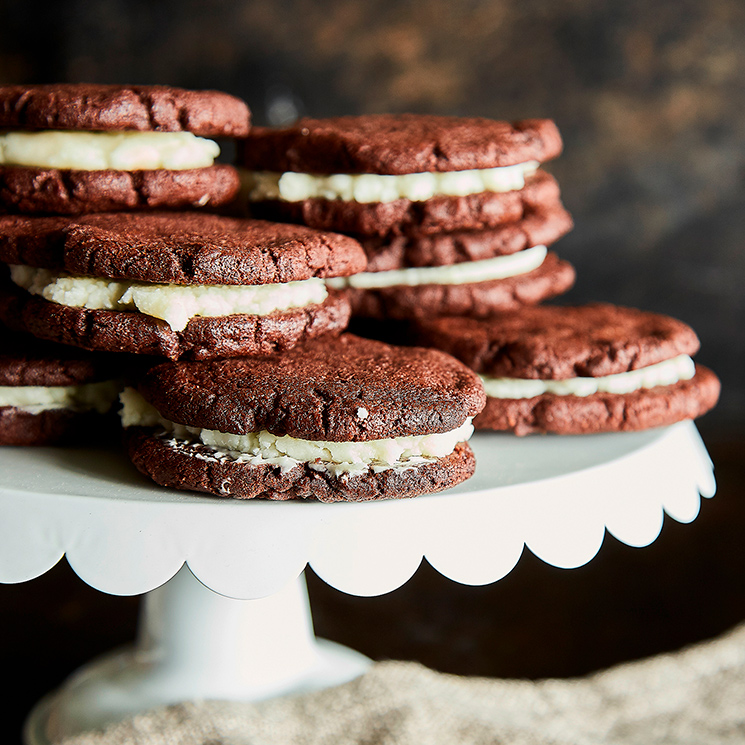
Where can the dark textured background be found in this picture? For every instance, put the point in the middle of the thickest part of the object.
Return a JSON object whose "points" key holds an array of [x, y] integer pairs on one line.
{"points": [[649, 97]]}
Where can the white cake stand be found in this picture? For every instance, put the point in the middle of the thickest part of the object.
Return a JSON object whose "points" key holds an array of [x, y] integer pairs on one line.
{"points": [[226, 612]]}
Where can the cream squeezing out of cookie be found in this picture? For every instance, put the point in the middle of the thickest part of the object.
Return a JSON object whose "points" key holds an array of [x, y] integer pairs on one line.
{"points": [[99, 151], [375, 187], [497, 267], [175, 304], [265, 448], [666, 372]]}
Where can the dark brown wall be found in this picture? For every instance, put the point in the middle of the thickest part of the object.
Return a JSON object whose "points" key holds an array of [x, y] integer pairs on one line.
{"points": [[649, 96]]}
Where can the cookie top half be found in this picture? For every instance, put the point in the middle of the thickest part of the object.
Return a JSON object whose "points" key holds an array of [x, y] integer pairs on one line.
{"points": [[555, 343], [398, 144], [353, 389], [141, 108], [178, 248]]}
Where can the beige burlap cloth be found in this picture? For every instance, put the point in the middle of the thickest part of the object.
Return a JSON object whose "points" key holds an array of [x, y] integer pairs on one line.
{"points": [[692, 697]]}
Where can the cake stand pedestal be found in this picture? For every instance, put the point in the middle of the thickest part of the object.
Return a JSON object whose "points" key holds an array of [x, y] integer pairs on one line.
{"points": [[195, 644], [226, 612]]}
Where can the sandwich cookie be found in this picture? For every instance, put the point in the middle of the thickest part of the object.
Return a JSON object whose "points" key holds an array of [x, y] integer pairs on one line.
{"points": [[464, 273], [475, 289], [173, 285], [356, 420], [381, 175], [79, 148], [542, 226], [54, 395], [578, 370]]}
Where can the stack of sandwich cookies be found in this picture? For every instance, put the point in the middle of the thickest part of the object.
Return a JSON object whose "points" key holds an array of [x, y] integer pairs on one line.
{"points": [[354, 421], [454, 213], [51, 394], [80, 148], [173, 285], [577, 370]]}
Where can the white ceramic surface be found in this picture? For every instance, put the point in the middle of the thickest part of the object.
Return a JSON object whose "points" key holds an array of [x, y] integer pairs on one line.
{"points": [[556, 495]]}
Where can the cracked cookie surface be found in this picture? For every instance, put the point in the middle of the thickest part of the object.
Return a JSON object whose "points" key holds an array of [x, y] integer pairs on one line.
{"points": [[398, 144], [557, 342], [315, 391], [182, 248], [142, 108]]}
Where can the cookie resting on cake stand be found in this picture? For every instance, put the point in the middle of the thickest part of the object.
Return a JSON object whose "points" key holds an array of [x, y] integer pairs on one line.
{"points": [[226, 613]]}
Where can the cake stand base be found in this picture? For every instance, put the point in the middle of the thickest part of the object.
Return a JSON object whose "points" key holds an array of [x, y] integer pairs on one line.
{"points": [[195, 644]]}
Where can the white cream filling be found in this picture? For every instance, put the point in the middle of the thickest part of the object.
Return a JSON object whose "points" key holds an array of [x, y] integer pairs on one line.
{"points": [[175, 304], [498, 267], [374, 187], [663, 373], [36, 398], [262, 448], [98, 151]]}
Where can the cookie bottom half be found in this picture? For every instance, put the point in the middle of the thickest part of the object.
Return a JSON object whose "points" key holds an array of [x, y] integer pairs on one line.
{"points": [[441, 214], [476, 300], [28, 190], [203, 337], [603, 412], [196, 467]]}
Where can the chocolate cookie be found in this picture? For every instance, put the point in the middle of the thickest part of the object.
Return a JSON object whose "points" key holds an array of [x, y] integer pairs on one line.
{"points": [[398, 144], [73, 149], [483, 210], [576, 370], [604, 412], [475, 299], [383, 175], [51, 394], [352, 421], [542, 226], [188, 285], [70, 192], [143, 108], [554, 342], [183, 248]]}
